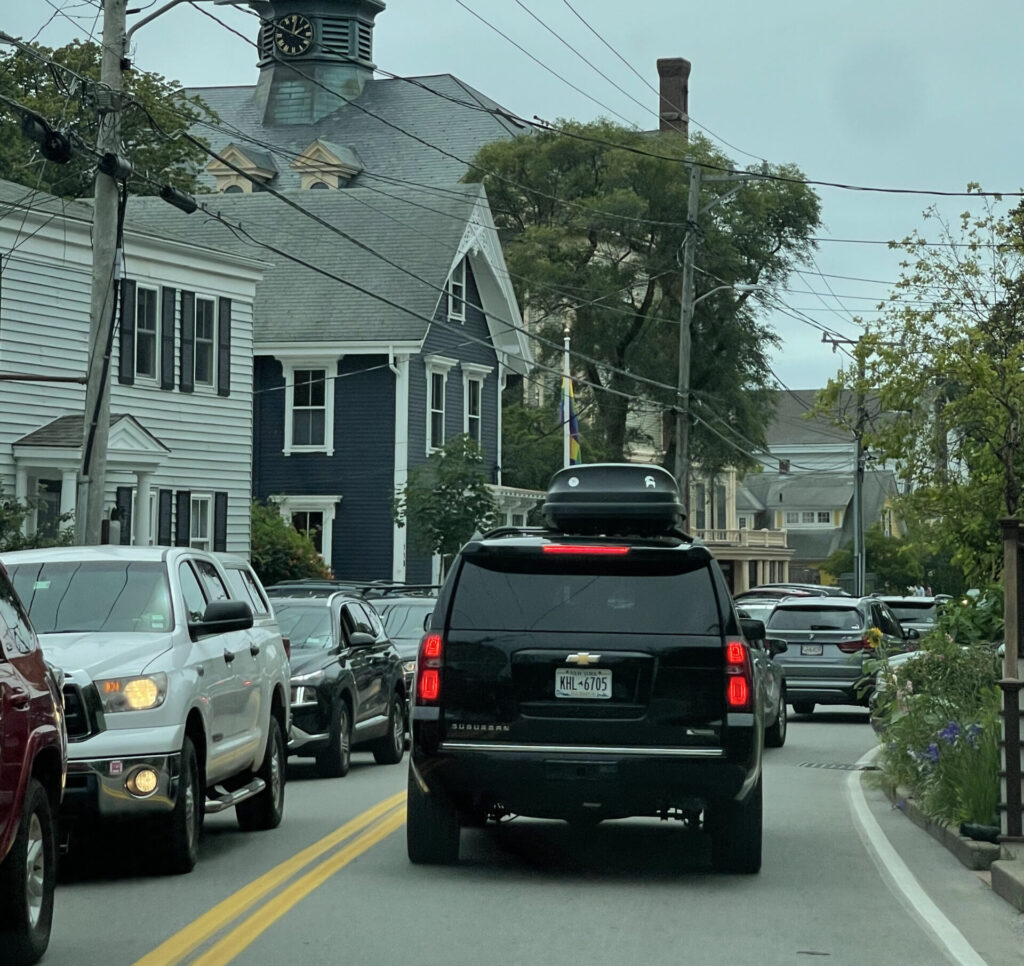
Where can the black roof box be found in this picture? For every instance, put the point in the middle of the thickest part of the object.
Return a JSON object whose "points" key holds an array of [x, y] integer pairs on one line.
{"points": [[613, 498]]}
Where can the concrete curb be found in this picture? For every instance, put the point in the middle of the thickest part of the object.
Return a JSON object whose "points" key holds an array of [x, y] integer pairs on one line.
{"points": [[1007, 870]]}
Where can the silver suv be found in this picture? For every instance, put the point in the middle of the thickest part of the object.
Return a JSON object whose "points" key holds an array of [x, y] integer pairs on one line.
{"points": [[176, 686]]}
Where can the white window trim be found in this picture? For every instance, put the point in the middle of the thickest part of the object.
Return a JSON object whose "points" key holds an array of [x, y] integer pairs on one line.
{"points": [[457, 306], [205, 499], [142, 376], [289, 503], [473, 372], [210, 386], [437, 366], [329, 367]]}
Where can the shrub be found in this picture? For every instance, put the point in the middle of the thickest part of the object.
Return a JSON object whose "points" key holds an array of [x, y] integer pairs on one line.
{"points": [[279, 551]]}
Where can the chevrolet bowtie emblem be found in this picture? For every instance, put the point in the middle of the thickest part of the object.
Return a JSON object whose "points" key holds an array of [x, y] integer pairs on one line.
{"points": [[582, 659]]}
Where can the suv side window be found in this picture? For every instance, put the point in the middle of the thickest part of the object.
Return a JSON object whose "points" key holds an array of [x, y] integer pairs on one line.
{"points": [[19, 640], [211, 581], [372, 620], [887, 623], [195, 600]]}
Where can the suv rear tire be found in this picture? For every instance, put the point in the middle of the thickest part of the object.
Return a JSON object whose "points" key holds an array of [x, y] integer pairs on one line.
{"points": [[432, 828], [27, 878], [803, 707], [735, 829], [265, 810], [389, 749]]}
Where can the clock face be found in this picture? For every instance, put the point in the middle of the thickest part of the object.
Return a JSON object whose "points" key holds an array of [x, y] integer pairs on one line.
{"points": [[293, 34]]}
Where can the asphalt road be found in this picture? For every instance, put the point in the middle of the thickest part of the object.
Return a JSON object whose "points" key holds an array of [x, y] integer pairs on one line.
{"points": [[846, 880]]}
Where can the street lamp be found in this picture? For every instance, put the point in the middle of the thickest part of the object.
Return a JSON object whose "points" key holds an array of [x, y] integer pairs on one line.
{"points": [[682, 469]]}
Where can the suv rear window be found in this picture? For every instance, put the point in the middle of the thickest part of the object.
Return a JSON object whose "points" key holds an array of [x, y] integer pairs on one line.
{"points": [[609, 597], [914, 612], [815, 619]]}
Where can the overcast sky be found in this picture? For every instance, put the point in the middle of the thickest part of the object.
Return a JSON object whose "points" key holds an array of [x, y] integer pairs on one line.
{"points": [[907, 94]]}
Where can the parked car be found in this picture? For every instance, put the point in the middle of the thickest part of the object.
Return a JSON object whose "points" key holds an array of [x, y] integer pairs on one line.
{"points": [[33, 759], [590, 671], [828, 641], [919, 613], [175, 690], [772, 675], [348, 687], [405, 615], [755, 607], [784, 589]]}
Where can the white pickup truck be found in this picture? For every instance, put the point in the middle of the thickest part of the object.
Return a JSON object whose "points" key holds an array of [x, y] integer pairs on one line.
{"points": [[176, 687]]}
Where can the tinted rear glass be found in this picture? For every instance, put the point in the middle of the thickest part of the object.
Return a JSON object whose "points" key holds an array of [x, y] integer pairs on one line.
{"points": [[914, 612], [596, 595], [98, 595], [815, 619]]}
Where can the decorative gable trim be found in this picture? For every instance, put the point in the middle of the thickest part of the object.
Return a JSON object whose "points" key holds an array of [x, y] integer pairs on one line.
{"points": [[261, 169]]}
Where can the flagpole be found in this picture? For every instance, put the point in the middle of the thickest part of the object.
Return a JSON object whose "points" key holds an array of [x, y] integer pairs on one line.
{"points": [[566, 415]]}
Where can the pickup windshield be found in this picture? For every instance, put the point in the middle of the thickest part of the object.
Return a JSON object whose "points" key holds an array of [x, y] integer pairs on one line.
{"points": [[63, 597]]}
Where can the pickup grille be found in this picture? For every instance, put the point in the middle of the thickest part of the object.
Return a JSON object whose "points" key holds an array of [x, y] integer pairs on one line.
{"points": [[76, 715]]}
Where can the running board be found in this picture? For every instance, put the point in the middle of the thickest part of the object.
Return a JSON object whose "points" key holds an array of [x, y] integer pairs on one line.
{"points": [[225, 800]]}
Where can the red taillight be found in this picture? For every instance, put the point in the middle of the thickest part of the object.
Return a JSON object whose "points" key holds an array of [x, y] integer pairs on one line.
{"points": [[597, 550], [428, 681], [852, 647], [739, 694]]}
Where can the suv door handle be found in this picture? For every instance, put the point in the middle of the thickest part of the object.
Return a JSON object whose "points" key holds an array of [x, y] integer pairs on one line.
{"points": [[228, 656], [254, 650]]}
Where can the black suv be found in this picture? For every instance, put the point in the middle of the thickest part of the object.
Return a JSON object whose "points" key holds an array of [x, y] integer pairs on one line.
{"points": [[589, 670], [348, 689]]}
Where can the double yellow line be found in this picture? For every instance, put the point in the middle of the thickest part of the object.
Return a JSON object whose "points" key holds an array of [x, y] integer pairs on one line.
{"points": [[365, 831]]}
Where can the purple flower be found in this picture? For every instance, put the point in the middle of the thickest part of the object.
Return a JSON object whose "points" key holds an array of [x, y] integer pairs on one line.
{"points": [[950, 733], [932, 753]]}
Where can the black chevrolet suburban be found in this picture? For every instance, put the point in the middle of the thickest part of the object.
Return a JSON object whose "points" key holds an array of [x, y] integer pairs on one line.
{"points": [[587, 670]]}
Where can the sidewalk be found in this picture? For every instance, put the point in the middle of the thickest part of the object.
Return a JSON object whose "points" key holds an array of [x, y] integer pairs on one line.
{"points": [[1004, 862]]}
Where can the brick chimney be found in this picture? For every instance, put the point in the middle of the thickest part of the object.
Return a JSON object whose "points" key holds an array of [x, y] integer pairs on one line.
{"points": [[673, 104]]}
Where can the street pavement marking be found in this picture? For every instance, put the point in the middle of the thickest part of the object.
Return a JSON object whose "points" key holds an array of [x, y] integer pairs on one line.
{"points": [[902, 880], [174, 949], [246, 932]]}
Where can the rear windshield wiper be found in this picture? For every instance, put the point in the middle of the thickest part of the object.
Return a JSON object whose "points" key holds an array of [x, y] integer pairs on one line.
{"points": [[824, 627]]}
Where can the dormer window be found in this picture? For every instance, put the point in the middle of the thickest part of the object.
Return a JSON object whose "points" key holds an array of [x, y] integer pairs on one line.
{"points": [[256, 167], [326, 165]]}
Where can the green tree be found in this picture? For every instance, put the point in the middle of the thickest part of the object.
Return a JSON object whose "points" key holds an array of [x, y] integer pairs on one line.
{"points": [[155, 112], [446, 499], [946, 360], [279, 551], [597, 236]]}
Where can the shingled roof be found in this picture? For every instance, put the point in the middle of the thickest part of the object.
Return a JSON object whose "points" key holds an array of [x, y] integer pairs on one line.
{"points": [[423, 130], [296, 303]]}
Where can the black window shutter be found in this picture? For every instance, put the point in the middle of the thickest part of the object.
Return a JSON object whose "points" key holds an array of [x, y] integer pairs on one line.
{"points": [[126, 361], [123, 502], [167, 300], [220, 521], [163, 525], [224, 347], [187, 376], [182, 518]]}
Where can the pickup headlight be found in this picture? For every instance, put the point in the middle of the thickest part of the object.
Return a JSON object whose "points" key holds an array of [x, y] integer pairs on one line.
{"points": [[138, 693]]}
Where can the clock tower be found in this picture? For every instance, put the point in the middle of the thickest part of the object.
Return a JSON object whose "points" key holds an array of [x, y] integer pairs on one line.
{"points": [[314, 56]]}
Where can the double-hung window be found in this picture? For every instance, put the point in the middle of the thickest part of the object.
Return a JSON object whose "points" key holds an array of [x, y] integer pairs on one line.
{"points": [[199, 535], [456, 292], [438, 368], [205, 342], [473, 376], [147, 333], [310, 523], [309, 406]]}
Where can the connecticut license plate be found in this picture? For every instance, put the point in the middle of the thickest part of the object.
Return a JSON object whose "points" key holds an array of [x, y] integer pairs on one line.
{"points": [[810, 648], [580, 682]]}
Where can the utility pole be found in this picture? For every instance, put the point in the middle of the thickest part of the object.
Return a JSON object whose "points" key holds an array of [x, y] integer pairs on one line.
{"points": [[686, 302], [105, 279]]}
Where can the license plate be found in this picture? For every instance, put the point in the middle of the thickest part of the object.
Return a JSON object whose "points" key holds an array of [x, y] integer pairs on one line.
{"points": [[810, 648], [580, 682]]}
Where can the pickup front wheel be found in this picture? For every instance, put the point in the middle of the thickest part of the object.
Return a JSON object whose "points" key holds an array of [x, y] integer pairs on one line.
{"points": [[265, 809], [27, 878], [179, 841]]}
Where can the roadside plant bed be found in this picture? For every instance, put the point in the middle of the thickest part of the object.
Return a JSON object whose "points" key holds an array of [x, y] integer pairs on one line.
{"points": [[937, 714]]}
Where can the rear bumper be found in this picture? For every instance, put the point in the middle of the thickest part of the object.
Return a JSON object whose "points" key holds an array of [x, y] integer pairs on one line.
{"points": [[825, 691], [558, 782]]}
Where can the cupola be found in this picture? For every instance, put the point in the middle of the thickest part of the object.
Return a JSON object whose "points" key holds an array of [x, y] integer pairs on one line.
{"points": [[315, 55]]}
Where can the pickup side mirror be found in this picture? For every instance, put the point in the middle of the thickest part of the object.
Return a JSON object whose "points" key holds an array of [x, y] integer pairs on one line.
{"points": [[775, 646], [361, 639], [221, 617], [753, 630]]}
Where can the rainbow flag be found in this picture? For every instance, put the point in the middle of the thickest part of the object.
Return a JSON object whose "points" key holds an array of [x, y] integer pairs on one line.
{"points": [[570, 425]]}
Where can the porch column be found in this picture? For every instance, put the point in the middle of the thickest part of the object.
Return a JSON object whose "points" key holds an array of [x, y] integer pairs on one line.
{"points": [[21, 494], [140, 518], [68, 491]]}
